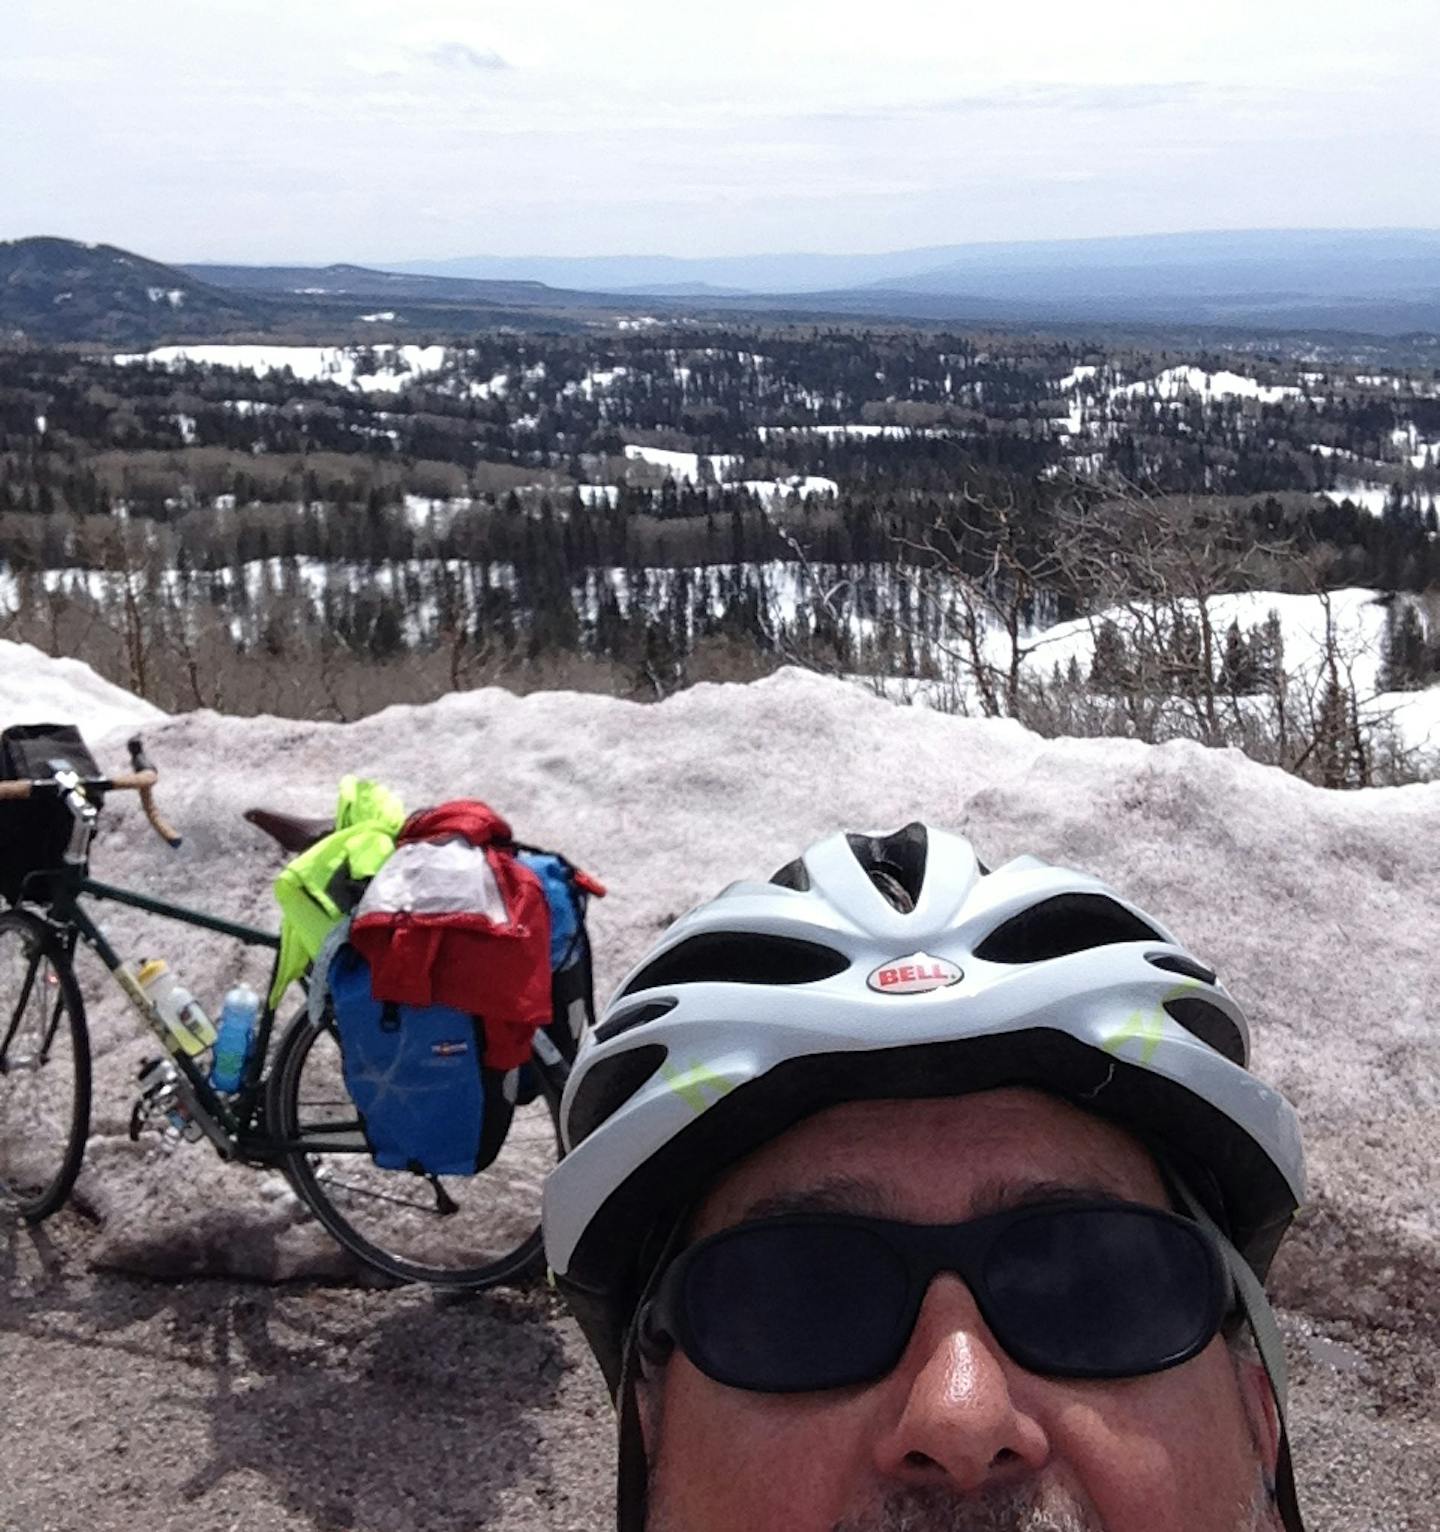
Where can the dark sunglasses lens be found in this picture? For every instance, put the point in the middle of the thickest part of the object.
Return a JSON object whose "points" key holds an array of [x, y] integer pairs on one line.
{"points": [[1101, 1293], [791, 1308]]}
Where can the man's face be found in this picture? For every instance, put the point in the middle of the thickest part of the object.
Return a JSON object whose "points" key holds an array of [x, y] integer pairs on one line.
{"points": [[958, 1437]]}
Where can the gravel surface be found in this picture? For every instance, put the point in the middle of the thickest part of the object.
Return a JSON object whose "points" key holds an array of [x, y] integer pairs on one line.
{"points": [[222, 1406], [132, 1403]]}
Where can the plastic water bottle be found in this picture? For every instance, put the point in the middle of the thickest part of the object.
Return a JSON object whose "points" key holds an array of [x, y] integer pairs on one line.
{"points": [[190, 1028], [232, 1043]]}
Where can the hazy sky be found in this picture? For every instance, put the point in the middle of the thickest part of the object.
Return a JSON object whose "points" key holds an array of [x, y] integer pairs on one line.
{"points": [[317, 130]]}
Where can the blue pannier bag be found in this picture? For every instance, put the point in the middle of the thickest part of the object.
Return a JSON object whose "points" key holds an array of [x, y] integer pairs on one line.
{"points": [[416, 1073], [557, 878]]}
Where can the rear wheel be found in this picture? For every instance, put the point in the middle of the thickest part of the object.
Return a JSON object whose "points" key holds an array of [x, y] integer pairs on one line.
{"points": [[452, 1231], [44, 1069]]}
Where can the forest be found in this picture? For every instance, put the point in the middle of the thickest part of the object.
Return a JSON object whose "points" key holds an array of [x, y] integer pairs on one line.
{"points": [[331, 529]]}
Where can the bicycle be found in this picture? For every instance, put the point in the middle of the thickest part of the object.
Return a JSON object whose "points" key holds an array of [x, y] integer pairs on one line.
{"points": [[463, 1232]]}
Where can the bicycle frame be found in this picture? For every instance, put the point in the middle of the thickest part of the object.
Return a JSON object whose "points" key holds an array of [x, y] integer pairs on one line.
{"points": [[229, 1124]]}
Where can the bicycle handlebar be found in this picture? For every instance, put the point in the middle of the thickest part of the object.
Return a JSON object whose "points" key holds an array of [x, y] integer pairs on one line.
{"points": [[142, 780]]}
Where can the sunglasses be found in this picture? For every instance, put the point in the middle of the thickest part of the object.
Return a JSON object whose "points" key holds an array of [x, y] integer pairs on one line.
{"points": [[1082, 1289]]}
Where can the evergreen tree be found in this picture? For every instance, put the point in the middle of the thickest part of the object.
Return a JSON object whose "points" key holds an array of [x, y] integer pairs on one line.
{"points": [[1239, 673], [1405, 660], [1110, 669]]}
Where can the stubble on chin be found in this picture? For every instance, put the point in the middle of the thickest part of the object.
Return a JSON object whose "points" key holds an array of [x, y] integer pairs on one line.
{"points": [[938, 1508], [1028, 1508]]}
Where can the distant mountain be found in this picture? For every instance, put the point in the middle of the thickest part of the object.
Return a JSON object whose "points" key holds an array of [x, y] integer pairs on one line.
{"points": [[1381, 280], [60, 290], [347, 282], [765, 274], [1269, 266]]}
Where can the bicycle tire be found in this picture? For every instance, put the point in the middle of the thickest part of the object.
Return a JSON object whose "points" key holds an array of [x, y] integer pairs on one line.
{"points": [[393, 1220], [45, 1086]]}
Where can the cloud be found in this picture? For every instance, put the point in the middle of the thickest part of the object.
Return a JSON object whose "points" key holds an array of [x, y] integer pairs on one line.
{"points": [[403, 63], [1030, 97], [463, 56]]}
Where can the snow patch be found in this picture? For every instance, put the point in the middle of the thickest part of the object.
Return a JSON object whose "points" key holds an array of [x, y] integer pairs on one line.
{"points": [[366, 369], [1075, 377], [803, 485], [683, 466], [1175, 382]]}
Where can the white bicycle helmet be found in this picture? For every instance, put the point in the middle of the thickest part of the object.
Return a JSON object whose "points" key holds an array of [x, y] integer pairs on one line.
{"points": [[898, 966]]}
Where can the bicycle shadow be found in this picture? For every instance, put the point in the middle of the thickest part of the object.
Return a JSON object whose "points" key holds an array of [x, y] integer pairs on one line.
{"points": [[426, 1417], [364, 1411]]}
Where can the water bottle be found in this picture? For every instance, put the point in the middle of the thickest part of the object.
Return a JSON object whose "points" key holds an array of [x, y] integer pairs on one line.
{"points": [[184, 1018], [232, 1043]]}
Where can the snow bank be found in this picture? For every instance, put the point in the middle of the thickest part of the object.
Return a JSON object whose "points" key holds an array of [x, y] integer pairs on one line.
{"points": [[1313, 904], [35, 688]]}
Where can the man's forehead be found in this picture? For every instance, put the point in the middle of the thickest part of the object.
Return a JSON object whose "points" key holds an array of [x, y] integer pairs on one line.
{"points": [[936, 1161]]}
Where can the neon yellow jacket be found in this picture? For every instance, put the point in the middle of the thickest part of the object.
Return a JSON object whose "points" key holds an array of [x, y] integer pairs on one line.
{"points": [[367, 819]]}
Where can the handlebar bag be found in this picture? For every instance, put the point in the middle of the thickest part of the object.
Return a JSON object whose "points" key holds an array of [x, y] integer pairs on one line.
{"points": [[35, 831], [417, 1075]]}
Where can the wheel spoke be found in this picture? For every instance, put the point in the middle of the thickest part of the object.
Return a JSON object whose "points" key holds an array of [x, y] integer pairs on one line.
{"points": [[45, 1079]]}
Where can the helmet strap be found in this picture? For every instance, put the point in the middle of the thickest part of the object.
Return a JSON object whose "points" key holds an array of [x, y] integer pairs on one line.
{"points": [[1261, 1319], [632, 1482]]}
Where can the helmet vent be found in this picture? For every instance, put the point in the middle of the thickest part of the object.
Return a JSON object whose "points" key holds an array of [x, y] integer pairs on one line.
{"points": [[726, 957], [607, 1085], [794, 875], [895, 863], [634, 1016], [1211, 1025], [1174, 962], [1062, 925]]}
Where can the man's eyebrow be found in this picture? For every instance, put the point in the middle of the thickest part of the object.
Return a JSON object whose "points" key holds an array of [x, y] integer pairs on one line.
{"points": [[835, 1194], [998, 1195], [851, 1194]]}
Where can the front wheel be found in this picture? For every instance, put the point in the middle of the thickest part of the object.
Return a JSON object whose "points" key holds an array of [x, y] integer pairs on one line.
{"points": [[451, 1231], [44, 1069]]}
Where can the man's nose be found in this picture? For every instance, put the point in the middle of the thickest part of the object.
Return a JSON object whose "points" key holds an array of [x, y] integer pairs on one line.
{"points": [[957, 1414]]}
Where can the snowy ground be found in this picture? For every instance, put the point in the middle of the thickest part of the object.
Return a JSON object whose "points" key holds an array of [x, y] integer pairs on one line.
{"points": [[684, 465], [1176, 382], [1090, 393], [1311, 903], [368, 369], [1359, 624]]}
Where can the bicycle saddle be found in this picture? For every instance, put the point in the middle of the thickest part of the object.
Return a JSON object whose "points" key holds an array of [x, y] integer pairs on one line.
{"points": [[294, 832]]}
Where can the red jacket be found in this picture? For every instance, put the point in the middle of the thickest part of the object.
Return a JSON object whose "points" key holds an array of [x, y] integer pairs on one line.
{"points": [[454, 919]]}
